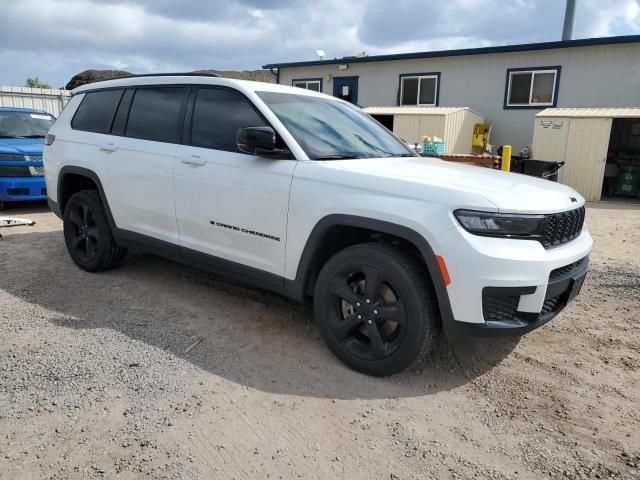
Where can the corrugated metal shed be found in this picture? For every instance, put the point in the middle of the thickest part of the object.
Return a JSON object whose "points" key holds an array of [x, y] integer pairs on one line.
{"points": [[580, 137], [49, 100], [591, 112], [453, 124]]}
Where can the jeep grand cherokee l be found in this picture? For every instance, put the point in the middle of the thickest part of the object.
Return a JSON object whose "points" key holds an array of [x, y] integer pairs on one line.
{"points": [[304, 194]]}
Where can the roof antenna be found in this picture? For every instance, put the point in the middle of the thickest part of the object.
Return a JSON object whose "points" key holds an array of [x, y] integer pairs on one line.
{"points": [[321, 54], [569, 20]]}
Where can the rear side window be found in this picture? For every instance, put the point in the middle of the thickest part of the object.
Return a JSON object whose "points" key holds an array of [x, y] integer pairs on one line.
{"points": [[217, 116], [157, 114], [96, 111]]}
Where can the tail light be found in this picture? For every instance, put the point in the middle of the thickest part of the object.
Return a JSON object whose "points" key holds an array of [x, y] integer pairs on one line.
{"points": [[49, 139]]}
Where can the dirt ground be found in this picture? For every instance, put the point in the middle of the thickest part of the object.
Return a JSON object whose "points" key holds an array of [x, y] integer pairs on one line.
{"points": [[160, 370]]}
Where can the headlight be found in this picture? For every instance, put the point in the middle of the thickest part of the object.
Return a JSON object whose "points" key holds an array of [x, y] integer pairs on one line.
{"points": [[500, 224]]}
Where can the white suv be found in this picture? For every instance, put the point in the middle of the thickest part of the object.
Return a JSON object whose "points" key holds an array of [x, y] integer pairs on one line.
{"points": [[306, 195]]}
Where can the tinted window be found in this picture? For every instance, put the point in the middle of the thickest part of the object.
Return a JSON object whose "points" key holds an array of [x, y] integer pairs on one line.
{"points": [[156, 114], [327, 129], [95, 113], [217, 116]]}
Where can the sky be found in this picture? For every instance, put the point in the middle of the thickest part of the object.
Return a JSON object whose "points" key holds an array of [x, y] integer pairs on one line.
{"points": [[55, 39]]}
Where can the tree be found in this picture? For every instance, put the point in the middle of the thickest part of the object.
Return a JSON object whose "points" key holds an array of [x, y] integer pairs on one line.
{"points": [[35, 83]]}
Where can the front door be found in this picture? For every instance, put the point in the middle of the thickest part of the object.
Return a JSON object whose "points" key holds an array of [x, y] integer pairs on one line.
{"points": [[346, 88], [230, 205]]}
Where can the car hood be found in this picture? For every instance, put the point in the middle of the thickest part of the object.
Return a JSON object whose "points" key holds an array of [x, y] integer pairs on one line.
{"points": [[507, 192], [22, 146]]}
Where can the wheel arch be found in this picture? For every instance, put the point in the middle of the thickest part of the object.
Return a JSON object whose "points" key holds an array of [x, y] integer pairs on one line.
{"points": [[72, 179], [319, 248]]}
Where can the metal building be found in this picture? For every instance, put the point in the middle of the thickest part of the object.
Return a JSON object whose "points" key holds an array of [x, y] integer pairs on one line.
{"points": [[452, 124], [50, 100], [509, 84], [587, 139]]}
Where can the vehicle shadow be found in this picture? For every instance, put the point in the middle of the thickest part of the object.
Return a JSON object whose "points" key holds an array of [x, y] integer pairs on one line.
{"points": [[251, 337]]}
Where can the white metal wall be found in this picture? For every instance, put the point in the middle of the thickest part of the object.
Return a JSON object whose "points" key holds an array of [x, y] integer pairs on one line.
{"points": [[582, 143], [49, 100], [459, 130]]}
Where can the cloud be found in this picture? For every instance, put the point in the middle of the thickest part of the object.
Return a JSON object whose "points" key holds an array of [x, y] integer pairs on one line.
{"points": [[50, 38]]}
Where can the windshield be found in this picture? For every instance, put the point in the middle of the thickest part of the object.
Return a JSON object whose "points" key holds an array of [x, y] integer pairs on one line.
{"points": [[24, 124], [329, 130]]}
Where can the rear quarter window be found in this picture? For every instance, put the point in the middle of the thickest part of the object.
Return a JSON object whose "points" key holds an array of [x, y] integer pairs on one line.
{"points": [[96, 111]]}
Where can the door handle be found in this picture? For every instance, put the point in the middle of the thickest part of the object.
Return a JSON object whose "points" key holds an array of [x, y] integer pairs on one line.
{"points": [[194, 160], [109, 148]]}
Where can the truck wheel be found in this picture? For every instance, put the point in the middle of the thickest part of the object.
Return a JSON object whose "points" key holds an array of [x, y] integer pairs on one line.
{"points": [[374, 308], [88, 235]]}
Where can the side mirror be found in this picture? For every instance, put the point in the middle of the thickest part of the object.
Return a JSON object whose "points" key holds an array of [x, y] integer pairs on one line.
{"points": [[259, 141]]}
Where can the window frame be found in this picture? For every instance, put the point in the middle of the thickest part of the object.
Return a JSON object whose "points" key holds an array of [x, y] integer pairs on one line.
{"points": [[306, 82], [555, 69], [419, 76]]}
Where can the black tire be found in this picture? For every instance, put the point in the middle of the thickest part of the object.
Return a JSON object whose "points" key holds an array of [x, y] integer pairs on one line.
{"points": [[398, 324], [88, 235]]}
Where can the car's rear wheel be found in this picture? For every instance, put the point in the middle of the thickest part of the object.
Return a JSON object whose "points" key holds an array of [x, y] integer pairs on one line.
{"points": [[88, 235], [373, 305]]}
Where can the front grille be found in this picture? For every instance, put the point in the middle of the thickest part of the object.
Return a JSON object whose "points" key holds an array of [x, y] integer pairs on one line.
{"points": [[567, 269], [499, 308], [14, 171], [13, 156], [35, 158], [561, 228], [18, 191]]}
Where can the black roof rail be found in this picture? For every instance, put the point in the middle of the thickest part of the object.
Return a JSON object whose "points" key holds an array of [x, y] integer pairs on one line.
{"points": [[142, 75]]}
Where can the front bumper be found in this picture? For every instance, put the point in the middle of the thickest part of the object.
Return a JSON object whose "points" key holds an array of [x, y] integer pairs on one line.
{"points": [[509, 287], [18, 189]]}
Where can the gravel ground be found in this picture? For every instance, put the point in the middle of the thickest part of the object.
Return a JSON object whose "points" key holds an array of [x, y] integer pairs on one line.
{"points": [[160, 370]]}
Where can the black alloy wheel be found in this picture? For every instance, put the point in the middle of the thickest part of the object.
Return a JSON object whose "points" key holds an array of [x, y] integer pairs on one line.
{"points": [[373, 306]]}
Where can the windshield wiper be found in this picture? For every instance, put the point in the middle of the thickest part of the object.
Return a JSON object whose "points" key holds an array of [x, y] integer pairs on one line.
{"points": [[336, 156]]}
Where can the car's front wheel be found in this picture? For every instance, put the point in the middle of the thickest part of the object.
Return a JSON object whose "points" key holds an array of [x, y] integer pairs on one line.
{"points": [[88, 235], [374, 308]]}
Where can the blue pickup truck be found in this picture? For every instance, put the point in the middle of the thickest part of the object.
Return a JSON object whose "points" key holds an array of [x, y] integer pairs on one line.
{"points": [[22, 133]]}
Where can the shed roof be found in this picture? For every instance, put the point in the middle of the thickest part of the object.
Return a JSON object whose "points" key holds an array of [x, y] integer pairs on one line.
{"points": [[632, 112], [415, 110], [527, 47]]}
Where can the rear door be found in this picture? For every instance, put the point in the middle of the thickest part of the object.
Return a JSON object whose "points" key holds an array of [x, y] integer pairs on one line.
{"points": [[138, 159], [229, 204]]}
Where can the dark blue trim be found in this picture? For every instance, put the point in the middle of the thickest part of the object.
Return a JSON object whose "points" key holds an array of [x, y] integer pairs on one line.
{"points": [[526, 47], [557, 68], [318, 79], [427, 74], [355, 78]]}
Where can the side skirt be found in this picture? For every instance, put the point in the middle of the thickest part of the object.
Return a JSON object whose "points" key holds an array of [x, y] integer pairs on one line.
{"points": [[202, 261]]}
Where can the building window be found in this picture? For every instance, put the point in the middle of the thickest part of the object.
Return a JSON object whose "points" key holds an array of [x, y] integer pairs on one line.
{"points": [[535, 87], [314, 84], [419, 89]]}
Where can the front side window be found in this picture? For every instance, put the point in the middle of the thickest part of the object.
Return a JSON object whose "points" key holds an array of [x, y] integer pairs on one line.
{"points": [[419, 90], [24, 124], [328, 129], [156, 114], [531, 87], [217, 116], [314, 84], [96, 111]]}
